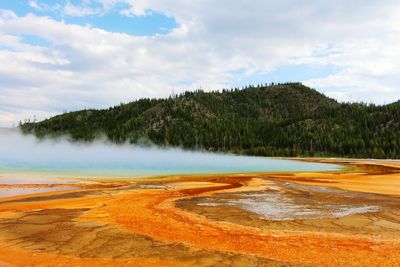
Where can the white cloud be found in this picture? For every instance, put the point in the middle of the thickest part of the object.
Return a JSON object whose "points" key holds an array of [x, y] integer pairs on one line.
{"points": [[89, 67], [34, 4], [80, 11]]}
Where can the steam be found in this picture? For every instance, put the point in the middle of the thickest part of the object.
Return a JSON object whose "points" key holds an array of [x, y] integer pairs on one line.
{"points": [[22, 153]]}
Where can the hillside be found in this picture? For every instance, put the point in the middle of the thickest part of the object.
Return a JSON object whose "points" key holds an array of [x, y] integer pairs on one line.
{"points": [[276, 120]]}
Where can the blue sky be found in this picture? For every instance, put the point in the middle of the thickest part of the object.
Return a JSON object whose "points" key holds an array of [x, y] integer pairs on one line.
{"points": [[65, 55], [110, 20]]}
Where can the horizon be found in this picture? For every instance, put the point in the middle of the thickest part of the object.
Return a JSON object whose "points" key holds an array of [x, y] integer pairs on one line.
{"points": [[73, 54]]}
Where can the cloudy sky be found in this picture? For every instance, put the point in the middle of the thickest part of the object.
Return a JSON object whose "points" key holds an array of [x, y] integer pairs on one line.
{"points": [[65, 55]]}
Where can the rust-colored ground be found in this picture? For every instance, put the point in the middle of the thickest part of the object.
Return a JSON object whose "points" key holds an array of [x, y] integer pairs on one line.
{"points": [[350, 218]]}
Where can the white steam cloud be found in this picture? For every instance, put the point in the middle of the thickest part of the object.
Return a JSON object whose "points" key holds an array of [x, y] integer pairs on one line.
{"points": [[22, 153]]}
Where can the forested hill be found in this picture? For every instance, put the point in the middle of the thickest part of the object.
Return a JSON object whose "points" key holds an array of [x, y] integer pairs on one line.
{"points": [[276, 120]]}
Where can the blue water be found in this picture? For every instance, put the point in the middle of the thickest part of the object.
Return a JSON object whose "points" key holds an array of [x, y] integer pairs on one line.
{"points": [[25, 154]]}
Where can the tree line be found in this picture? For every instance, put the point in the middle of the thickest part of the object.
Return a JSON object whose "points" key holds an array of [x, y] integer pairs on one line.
{"points": [[286, 119]]}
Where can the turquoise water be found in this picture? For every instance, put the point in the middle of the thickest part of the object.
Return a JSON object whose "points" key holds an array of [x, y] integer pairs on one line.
{"points": [[25, 155]]}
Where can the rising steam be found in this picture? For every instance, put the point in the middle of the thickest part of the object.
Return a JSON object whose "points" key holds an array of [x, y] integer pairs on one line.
{"points": [[21, 153]]}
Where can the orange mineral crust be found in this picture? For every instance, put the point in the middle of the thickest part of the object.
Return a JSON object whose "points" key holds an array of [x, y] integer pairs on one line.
{"points": [[342, 218]]}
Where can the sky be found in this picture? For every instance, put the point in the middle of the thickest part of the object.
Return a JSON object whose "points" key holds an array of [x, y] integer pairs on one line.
{"points": [[58, 56]]}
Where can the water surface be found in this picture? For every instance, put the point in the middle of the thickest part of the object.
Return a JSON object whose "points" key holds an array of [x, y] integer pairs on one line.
{"points": [[26, 156]]}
